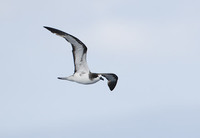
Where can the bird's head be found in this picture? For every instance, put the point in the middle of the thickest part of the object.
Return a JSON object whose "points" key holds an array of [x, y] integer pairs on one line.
{"points": [[101, 78]]}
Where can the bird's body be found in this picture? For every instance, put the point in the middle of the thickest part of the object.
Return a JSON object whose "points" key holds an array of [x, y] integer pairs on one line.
{"points": [[83, 78], [82, 73]]}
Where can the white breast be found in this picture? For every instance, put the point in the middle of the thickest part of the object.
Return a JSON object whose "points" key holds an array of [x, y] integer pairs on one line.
{"points": [[82, 78]]}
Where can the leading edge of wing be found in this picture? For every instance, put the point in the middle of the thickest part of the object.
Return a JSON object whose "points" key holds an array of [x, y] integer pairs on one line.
{"points": [[64, 35], [78, 48], [112, 79]]}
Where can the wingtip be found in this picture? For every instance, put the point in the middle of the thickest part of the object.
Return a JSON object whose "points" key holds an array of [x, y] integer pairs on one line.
{"points": [[48, 28], [56, 31], [112, 80], [112, 85]]}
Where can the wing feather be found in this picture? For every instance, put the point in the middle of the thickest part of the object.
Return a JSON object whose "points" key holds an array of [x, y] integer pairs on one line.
{"points": [[112, 79], [79, 50]]}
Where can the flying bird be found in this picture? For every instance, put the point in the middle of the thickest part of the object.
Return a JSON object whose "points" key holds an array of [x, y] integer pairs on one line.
{"points": [[82, 74]]}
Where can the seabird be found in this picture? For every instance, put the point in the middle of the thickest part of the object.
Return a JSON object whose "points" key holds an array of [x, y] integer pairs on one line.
{"points": [[82, 74]]}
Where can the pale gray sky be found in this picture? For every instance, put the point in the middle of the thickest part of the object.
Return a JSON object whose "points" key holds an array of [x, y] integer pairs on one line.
{"points": [[153, 46]]}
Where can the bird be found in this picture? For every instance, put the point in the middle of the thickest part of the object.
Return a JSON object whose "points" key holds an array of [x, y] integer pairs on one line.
{"points": [[82, 73]]}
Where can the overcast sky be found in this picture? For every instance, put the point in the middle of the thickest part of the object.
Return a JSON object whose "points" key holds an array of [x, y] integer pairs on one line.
{"points": [[153, 47]]}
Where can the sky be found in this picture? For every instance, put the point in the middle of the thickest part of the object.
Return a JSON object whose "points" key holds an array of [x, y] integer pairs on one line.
{"points": [[153, 47]]}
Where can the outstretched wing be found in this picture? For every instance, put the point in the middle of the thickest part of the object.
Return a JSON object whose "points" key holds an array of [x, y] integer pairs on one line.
{"points": [[79, 50], [112, 79]]}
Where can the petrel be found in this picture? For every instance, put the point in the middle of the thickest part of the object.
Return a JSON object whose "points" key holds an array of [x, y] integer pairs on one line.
{"points": [[82, 74]]}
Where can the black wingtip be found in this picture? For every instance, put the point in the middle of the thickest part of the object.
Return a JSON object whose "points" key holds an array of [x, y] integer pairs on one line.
{"points": [[56, 31], [59, 78], [112, 79], [47, 27], [112, 85]]}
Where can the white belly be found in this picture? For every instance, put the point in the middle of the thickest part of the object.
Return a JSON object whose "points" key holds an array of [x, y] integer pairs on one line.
{"points": [[82, 78]]}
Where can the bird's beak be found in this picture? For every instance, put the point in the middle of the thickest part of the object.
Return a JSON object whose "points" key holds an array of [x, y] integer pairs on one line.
{"points": [[101, 78]]}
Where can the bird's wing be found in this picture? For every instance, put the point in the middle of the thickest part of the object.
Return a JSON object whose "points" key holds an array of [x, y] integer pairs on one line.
{"points": [[112, 79], [79, 50]]}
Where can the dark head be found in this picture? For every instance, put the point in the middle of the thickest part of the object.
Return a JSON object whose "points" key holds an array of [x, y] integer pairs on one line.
{"points": [[95, 75], [101, 78]]}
